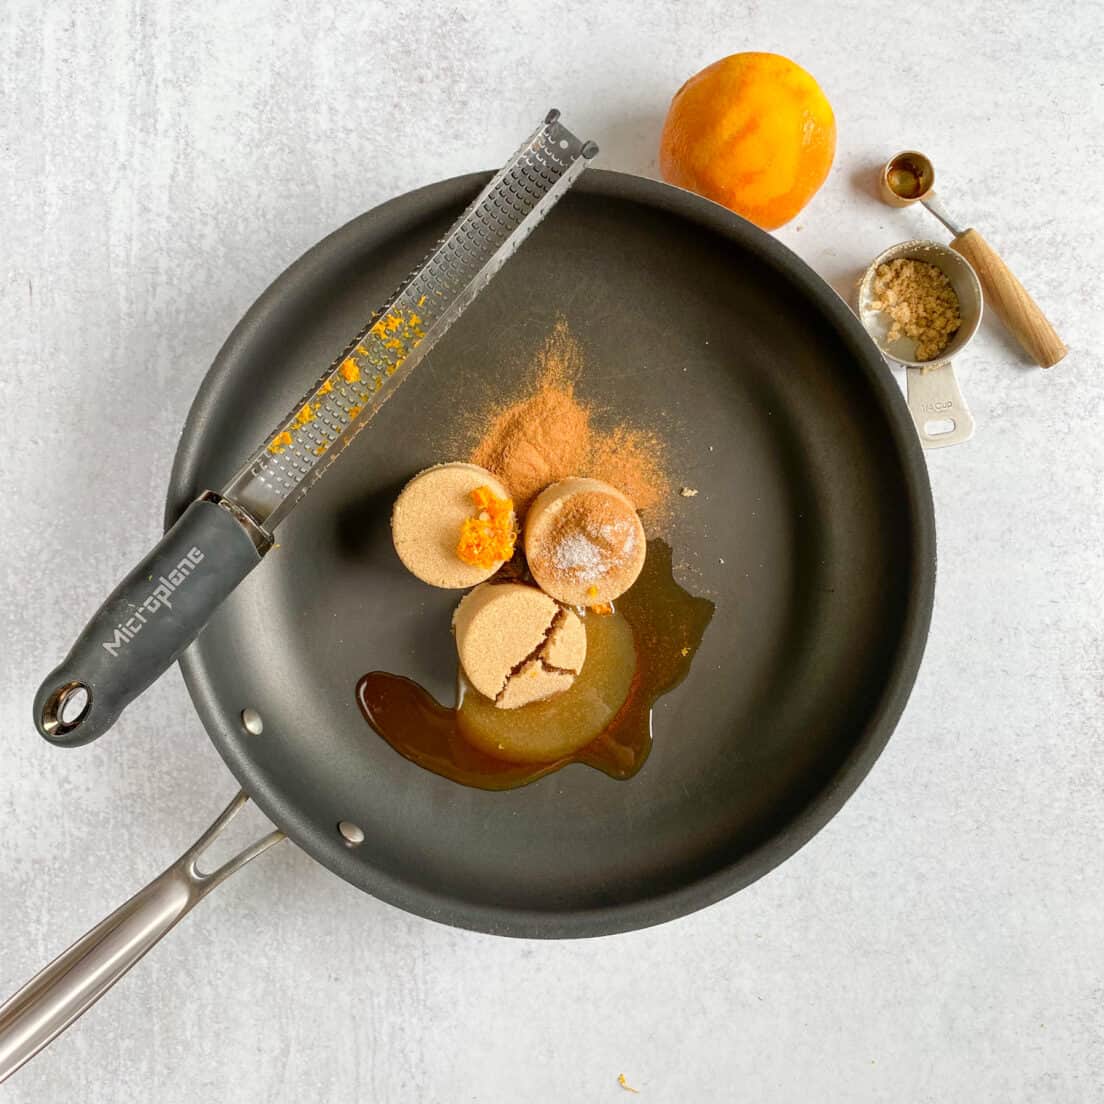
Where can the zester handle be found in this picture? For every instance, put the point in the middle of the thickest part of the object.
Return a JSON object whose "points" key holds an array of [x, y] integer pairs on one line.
{"points": [[148, 620]]}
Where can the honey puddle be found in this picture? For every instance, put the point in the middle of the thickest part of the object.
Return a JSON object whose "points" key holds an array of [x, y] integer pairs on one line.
{"points": [[634, 656]]}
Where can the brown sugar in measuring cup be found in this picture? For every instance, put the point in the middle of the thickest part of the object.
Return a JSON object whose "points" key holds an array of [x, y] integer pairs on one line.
{"points": [[938, 409]]}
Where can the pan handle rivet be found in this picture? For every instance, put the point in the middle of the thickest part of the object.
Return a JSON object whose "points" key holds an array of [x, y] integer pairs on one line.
{"points": [[251, 721], [353, 835]]}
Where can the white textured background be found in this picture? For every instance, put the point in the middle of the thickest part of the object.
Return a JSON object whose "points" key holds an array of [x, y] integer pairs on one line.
{"points": [[942, 940]]}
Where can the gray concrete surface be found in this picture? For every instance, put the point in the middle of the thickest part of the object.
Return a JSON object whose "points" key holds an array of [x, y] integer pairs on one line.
{"points": [[939, 941]]}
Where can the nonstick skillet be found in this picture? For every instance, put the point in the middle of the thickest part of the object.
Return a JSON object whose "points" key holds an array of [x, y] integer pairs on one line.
{"points": [[812, 532]]}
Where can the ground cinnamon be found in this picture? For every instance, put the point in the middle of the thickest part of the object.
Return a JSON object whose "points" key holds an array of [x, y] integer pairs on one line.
{"points": [[536, 441], [549, 434], [632, 461]]}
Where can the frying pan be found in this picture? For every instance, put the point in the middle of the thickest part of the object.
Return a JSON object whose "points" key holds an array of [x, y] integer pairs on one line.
{"points": [[812, 532]]}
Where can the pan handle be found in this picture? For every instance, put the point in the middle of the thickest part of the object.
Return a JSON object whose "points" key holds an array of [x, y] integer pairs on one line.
{"points": [[77, 978]]}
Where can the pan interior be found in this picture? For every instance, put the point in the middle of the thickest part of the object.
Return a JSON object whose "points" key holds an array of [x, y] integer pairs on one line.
{"points": [[811, 532]]}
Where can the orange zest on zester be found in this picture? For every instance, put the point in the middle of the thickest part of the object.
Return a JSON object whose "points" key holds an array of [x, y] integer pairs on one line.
{"points": [[398, 332]]}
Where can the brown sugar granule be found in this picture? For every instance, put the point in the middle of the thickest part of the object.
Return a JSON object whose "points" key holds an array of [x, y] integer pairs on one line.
{"points": [[549, 434], [920, 302]]}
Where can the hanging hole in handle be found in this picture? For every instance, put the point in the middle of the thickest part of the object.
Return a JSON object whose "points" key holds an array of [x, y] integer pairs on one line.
{"points": [[66, 708], [939, 427]]}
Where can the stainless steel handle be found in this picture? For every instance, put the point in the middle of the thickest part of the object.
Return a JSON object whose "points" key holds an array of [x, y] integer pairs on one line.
{"points": [[77, 978]]}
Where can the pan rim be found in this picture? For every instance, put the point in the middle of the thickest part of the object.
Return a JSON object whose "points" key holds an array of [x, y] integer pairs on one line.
{"points": [[868, 744]]}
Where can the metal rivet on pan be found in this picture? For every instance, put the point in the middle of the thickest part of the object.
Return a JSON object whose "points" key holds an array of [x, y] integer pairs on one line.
{"points": [[354, 836], [251, 721]]}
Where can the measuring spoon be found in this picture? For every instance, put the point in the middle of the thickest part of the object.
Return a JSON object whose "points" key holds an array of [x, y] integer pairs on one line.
{"points": [[909, 177]]}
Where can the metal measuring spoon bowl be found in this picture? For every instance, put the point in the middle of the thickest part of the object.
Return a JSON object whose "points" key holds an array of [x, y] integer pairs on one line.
{"points": [[934, 399], [909, 177], [906, 177]]}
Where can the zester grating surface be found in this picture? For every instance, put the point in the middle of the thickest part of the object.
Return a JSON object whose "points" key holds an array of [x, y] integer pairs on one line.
{"points": [[399, 335]]}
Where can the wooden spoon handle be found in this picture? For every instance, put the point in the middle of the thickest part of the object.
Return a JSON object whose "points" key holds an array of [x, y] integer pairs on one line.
{"points": [[1009, 298]]}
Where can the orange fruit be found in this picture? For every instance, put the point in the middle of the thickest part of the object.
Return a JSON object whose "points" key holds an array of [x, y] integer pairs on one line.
{"points": [[753, 132]]}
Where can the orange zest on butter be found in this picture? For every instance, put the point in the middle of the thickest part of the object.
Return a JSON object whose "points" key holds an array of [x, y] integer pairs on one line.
{"points": [[489, 537]]}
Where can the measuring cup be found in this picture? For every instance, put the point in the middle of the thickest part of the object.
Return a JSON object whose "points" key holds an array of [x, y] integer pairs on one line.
{"points": [[934, 399]]}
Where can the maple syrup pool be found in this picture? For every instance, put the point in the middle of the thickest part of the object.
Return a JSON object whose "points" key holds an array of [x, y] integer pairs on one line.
{"points": [[635, 655]]}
